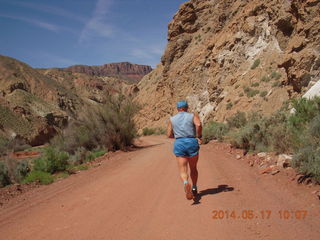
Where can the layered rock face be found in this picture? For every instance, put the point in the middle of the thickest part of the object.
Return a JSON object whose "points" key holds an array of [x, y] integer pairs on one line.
{"points": [[235, 55], [35, 104], [130, 72]]}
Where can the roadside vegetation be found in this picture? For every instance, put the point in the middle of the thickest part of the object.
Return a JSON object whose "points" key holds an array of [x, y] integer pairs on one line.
{"points": [[96, 131], [295, 133], [153, 131]]}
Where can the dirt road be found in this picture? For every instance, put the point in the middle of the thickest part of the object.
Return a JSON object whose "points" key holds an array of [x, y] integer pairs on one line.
{"points": [[138, 195]]}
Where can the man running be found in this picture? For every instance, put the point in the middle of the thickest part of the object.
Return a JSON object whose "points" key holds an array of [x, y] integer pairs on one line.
{"points": [[185, 127]]}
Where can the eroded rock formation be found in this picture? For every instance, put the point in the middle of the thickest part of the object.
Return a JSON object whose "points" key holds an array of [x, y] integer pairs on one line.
{"points": [[228, 56]]}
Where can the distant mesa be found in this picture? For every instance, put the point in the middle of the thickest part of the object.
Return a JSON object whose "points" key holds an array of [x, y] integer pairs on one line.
{"points": [[132, 72]]}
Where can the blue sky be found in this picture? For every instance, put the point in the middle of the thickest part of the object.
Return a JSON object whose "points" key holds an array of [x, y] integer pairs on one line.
{"points": [[60, 33]]}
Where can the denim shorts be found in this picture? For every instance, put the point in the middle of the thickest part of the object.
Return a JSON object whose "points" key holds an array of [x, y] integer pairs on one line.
{"points": [[186, 147]]}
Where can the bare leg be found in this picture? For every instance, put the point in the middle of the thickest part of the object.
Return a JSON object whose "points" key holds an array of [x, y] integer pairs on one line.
{"points": [[193, 169], [183, 168]]}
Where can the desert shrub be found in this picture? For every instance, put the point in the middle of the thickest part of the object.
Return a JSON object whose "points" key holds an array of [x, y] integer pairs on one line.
{"points": [[253, 136], [17, 169], [280, 132], [255, 64], [94, 154], [275, 75], [305, 111], [39, 176], [110, 126], [21, 170], [3, 145], [160, 131], [263, 94], [153, 131], [78, 157], [4, 175], [250, 92], [53, 160], [265, 79], [237, 120], [307, 157], [241, 95], [214, 130], [307, 160], [256, 84], [148, 131], [263, 133]]}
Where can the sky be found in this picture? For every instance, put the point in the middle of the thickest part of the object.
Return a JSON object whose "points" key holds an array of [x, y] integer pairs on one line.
{"points": [[61, 33]]}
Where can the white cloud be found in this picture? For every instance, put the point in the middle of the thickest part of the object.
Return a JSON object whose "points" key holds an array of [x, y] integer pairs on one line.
{"points": [[97, 24], [35, 22]]}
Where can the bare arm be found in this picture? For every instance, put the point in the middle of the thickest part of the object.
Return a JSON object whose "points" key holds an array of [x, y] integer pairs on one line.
{"points": [[170, 130], [197, 123]]}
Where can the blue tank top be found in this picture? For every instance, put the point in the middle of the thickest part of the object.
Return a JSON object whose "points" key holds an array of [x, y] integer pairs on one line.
{"points": [[183, 126]]}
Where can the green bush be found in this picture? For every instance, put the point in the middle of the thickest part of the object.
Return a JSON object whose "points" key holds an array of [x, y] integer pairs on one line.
{"points": [[21, 170], [263, 94], [110, 126], [265, 79], [278, 128], [299, 122], [13, 171], [275, 75], [252, 137], [78, 157], [3, 145], [256, 84], [53, 160], [153, 131], [4, 175], [238, 120], [90, 156], [250, 92], [264, 133], [214, 130], [255, 64], [307, 157], [307, 160], [148, 131], [305, 111], [39, 176]]}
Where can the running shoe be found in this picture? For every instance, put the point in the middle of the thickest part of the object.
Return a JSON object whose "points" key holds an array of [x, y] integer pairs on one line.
{"points": [[187, 189], [194, 191]]}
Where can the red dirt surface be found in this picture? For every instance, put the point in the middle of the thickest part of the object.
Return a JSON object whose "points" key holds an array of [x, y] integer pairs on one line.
{"points": [[138, 195], [24, 155]]}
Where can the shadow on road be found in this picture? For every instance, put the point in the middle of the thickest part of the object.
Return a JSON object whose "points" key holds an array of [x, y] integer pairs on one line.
{"points": [[211, 191]]}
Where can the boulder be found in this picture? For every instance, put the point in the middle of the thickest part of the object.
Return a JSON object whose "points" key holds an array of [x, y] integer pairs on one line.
{"points": [[284, 160]]}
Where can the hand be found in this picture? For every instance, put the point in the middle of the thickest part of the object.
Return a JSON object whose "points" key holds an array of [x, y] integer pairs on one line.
{"points": [[199, 141]]}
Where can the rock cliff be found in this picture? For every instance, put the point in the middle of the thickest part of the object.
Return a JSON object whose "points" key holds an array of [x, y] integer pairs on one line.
{"points": [[126, 70], [225, 56], [35, 104]]}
